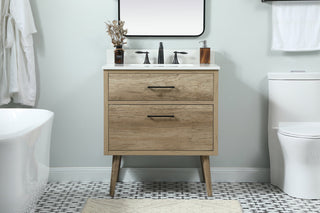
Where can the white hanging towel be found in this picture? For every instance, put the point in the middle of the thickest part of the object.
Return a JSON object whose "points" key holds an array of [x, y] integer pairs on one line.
{"points": [[296, 26], [19, 44]]}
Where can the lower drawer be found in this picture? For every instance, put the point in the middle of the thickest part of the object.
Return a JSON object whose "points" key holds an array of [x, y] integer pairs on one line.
{"points": [[160, 127]]}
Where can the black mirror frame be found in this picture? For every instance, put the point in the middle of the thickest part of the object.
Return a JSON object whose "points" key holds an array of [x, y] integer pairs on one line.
{"points": [[204, 25]]}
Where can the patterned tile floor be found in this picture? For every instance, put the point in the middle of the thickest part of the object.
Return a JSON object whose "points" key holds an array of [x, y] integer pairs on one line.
{"points": [[254, 197]]}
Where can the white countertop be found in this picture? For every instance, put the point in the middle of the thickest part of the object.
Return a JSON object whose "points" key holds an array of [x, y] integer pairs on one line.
{"points": [[161, 67]]}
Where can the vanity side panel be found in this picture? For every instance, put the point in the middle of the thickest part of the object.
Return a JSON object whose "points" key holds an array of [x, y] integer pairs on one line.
{"points": [[106, 111], [215, 111]]}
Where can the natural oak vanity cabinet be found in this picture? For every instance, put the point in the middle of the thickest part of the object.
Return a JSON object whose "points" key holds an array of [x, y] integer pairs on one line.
{"points": [[161, 111]]}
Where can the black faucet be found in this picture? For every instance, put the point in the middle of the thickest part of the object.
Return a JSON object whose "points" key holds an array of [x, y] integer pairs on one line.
{"points": [[146, 59], [175, 58], [160, 54]]}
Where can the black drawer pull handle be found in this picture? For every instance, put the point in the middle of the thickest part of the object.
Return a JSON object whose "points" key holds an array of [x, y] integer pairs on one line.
{"points": [[160, 116], [161, 87]]}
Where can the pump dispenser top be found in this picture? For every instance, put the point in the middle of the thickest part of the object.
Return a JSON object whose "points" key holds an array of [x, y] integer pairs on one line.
{"points": [[204, 53], [204, 42]]}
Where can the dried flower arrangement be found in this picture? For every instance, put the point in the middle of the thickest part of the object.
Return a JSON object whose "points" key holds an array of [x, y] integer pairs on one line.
{"points": [[117, 32]]}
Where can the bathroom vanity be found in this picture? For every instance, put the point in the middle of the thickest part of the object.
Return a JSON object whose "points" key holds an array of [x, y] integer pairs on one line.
{"points": [[161, 110]]}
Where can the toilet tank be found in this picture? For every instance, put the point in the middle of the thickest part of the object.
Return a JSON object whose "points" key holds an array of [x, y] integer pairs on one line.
{"points": [[293, 97]]}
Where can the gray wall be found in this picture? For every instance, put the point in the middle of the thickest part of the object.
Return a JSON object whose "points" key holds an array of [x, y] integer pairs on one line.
{"points": [[71, 48]]}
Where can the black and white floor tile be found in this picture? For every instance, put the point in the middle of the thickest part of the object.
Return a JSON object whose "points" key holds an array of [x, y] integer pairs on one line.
{"points": [[254, 197]]}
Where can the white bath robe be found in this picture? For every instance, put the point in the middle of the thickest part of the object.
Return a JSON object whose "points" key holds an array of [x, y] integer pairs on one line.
{"points": [[4, 75], [20, 66]]}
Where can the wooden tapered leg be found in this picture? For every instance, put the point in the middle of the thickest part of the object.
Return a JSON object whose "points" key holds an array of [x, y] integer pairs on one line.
{"points": [[120, 157], [202, 170], [116, 159], [207, 175]]}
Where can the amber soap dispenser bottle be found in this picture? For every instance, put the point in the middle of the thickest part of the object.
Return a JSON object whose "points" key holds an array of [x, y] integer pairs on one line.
{"points": [[204, 53]]}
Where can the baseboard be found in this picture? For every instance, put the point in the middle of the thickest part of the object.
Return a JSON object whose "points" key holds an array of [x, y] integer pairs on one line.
{"points": [[218, 174]]}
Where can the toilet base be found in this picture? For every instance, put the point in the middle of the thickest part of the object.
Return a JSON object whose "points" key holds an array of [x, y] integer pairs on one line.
{"points": [[301, 166], [304, 186]]}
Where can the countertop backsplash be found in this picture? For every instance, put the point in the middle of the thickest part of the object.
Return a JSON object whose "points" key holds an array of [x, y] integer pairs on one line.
{"points": [[130, 57]]}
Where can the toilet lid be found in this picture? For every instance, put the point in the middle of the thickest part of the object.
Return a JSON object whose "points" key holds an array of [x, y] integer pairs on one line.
{"points": [[300, 129]]}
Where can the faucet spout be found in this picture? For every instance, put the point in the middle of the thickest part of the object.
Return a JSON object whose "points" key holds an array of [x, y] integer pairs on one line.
{"points": [[160, 54]]}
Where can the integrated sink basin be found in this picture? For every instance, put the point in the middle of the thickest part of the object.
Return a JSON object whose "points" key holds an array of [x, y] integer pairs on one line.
{"points": [[160, 65]]}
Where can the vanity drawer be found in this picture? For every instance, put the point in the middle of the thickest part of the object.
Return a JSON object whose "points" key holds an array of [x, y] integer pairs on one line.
{"points": [[164, 87], [141, 127]]}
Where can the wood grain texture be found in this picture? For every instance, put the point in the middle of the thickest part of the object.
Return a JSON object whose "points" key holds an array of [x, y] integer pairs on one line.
{"points": [[162, 102], [164, 152], [131, 130], [119, 164], [204, 55], [207, 175], [116, 160], [202, 170], [172, 153], [215, 113], [134, 87], [106, 109]]}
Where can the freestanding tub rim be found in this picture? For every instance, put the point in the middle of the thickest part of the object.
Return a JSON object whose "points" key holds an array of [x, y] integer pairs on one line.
{"points": [[24, 127]]}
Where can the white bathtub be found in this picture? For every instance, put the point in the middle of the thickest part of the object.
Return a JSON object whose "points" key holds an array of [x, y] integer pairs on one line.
{"points": [[24, 157]]}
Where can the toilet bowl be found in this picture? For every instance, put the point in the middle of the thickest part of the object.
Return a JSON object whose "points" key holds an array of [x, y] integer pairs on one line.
{"points": [[300, 145]]}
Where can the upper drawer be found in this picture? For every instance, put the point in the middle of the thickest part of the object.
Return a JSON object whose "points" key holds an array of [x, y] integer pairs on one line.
{"points": [[164, 87]]}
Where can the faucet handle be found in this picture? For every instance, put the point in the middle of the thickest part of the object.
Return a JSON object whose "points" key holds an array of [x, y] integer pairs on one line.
{"points": [[180, 52], [146, 59], [175, 59]]}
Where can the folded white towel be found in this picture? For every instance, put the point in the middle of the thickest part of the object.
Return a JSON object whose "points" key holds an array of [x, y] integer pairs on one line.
{"points": [[296, 26]]}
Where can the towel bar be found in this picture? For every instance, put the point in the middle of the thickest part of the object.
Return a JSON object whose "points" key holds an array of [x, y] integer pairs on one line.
{"points": [[288, 0]]}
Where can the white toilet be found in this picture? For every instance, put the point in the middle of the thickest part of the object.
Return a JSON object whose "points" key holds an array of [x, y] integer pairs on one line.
{"points": [[294, 133]]}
